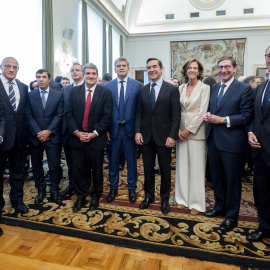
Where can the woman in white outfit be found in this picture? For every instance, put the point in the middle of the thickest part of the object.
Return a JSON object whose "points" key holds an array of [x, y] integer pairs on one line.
{"points": [[191, 145]]}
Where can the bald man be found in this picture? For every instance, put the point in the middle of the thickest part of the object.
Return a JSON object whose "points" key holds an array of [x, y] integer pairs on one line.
{"points": [[15, 99]]}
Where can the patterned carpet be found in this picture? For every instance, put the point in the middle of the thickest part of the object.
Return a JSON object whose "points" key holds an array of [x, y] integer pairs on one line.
{"points": [[121, 223]]}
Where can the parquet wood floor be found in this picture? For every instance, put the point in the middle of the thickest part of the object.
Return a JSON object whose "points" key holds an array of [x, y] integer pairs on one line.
{"points": [[24, 249]]}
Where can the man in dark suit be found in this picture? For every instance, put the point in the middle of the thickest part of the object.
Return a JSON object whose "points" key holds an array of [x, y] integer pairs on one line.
{"points": [[77, 76], [157, 125], [88, 116], [44, 115], [258, 138], [2, 133], [122, 128], [230, 110], [15, 99]]}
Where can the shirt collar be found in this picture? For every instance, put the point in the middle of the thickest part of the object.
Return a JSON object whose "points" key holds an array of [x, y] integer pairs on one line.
{"points": [[228, 83], [159, 82], [47, 90], [80, 83], [125, 80], [5, 80], [92, 88]]}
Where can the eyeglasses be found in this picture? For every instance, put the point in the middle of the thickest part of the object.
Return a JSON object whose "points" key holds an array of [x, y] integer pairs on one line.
{"points": [[12, 67], [73, 70], [267, 56], [226, 67]]}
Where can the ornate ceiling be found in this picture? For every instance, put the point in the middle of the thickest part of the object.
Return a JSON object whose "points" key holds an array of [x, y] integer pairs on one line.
{"points": [[138, 17]]}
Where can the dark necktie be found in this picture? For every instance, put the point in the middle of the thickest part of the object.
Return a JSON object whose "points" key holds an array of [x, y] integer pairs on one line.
{"points": [[221, 92], [43, 99], [12, 96], [121, 112], [153, 95], [266, 98], [86, 111]]}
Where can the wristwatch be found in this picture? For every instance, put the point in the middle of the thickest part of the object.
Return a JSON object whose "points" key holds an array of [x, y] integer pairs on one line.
{"points": [[225, 120]]}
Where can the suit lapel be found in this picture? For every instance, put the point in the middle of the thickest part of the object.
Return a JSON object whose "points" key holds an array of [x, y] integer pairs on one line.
{"points": [[49, 99], [115, 92], [162, 91], [194, 93], [21, 94], [38, 99], [230, 91], [268, 106], [128, 90], [4, 95], [95, 98], [147, 93], [81, 96]]}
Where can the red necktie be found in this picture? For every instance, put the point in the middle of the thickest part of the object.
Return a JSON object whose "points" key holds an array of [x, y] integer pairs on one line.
{"points": [[86, 111]]}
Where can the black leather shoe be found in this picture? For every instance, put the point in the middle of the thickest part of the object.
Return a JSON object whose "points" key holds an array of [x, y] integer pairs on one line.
{"points": [[66, 192], [55, 197], [146, 202], [258, 235], [227, 225], [157, 171], [77, 206], [40, 197], [132, 195], [245, 179], [172, 168], [20, 207], [249, 171], [106, 167], [94, 204], [111, 196], [213, 213], [1, 231], [165, 208]]}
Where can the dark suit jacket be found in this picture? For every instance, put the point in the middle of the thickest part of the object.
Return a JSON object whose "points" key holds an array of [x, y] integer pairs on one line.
{"points": [[260, 125], [131, 96], [99, 115], [237, 103], [66, 92], [49, 118], [164, 120], [16, 122], [2, 118]]}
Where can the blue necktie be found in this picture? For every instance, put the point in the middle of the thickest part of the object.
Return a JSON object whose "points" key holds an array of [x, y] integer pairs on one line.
{"points": [[220, 96], [12, 96], [153, 95], [266, 98], [121, 113], [43, 98]]}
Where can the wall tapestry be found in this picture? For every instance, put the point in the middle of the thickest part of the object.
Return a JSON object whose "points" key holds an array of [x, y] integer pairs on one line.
{"points": [[207, 52]]}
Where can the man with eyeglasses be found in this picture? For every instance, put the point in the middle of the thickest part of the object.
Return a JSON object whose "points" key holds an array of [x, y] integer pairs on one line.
{"points": [[77, 76], [13, 147], [258, 138], [230, 110]]}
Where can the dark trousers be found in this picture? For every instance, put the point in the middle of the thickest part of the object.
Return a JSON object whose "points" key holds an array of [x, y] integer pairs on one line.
{"points": [[122, 141], [53, 152], [262, 190], [16, 158], [68, 155], [149, 152], [226, 169], [83, 160]]}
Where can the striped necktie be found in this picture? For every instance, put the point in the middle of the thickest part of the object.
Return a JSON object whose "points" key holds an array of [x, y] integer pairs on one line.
{"points": [[12, 96]]}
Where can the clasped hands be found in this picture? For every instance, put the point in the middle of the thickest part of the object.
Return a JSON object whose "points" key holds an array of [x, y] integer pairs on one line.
{"points": [[182, 135], [139, 140], [213, 119], [85, 136], [43, 135]]}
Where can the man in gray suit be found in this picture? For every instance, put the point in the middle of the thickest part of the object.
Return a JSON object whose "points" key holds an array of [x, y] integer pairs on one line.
{"points": [[77, 76], [15, 99]]}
